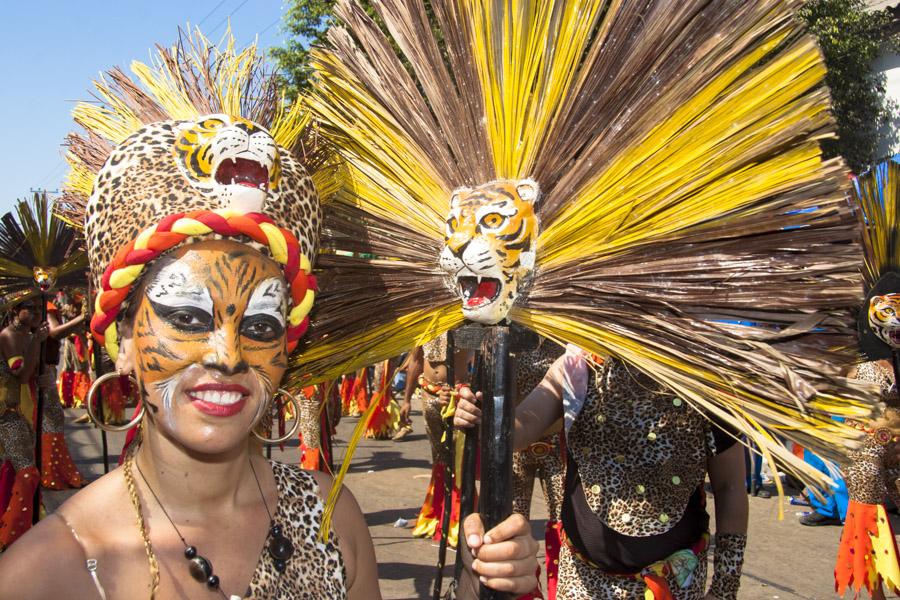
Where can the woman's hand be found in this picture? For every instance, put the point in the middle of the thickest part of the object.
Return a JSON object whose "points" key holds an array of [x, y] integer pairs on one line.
{"points": [[467, 412], [505, 556]]}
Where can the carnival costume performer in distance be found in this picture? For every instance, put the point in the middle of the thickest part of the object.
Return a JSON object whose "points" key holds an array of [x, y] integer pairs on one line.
{"points": [[37, 253], [201, 225], [641, 179], [867, 555]]}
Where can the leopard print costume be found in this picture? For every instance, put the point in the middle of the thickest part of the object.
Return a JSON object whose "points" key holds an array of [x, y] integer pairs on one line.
{"points": [[310, 425], [316, 570], [868, 480], [16, 435], [641, 452], [542, 459]]}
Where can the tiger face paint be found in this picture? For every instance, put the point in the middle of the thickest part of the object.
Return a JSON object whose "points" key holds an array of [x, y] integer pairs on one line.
{"points": [[884, 318], [208, 342], [230, 158], [489, 246]]}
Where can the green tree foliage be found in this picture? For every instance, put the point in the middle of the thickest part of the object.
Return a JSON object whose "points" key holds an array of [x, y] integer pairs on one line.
{"points": [[851, 40], [306, 22]]}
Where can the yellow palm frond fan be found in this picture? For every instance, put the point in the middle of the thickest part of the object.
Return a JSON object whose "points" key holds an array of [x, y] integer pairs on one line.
{"points": [[685, 220]]}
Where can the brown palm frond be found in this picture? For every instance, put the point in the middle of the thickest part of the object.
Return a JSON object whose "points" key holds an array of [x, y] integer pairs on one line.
{"points": [[688, 224]]}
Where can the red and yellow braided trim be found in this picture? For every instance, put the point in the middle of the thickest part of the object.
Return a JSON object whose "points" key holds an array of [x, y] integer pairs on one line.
{"points": [[128, 264]]}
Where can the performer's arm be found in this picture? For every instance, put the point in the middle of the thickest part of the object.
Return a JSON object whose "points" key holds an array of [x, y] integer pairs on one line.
{"points": [[540, 409], [415, 365], [726, 475], [60, 330]]}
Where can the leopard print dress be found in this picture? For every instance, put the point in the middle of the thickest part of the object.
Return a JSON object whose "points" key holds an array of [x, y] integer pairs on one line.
{"points": [[16, 435], [869, 480], [641, 452], [316, 570]]}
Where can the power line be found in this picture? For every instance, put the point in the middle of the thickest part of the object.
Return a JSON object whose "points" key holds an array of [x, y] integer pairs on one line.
{"points": [[223, 21], [209, 14], [259, 33]]}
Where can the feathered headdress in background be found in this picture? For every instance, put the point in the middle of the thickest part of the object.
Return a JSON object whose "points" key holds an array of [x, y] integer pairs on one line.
{"points": [[38, 251], [684, 220], [876, 195]]}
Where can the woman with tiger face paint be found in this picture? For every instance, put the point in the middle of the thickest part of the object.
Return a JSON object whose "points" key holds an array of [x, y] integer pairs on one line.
{"points": [[203, 291]]}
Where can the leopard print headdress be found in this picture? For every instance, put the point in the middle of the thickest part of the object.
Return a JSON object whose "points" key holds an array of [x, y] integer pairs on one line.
{"points": [[198, 143]]}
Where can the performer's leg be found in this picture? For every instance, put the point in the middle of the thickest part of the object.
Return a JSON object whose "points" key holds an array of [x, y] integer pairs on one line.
{"points": [[58, 470], [18, 443], [430, 515], [310, 432]]}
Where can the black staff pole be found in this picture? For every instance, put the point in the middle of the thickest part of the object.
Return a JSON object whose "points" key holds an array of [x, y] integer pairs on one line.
{"points": [[497, 444], [98, 372], [470, 458], [448, 448], [39, 413]]}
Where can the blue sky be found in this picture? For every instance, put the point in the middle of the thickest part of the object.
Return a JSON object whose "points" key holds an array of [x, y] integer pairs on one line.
{"points": [[51, 50]]}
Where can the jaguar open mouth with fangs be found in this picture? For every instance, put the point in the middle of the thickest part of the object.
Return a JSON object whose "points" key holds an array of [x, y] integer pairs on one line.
{"points": [[478, 291], [243, 171]]}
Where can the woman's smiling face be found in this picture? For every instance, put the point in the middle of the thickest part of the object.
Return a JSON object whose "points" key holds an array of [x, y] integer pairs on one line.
{"points": [[207, 343]]}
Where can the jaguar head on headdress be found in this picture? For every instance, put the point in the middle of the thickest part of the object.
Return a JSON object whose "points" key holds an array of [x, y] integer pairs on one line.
{"points": [[228, 157], [489, 246], [884, 318]]}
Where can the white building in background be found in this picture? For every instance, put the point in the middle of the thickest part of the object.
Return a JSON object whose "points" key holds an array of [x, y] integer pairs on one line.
{"points": [[889, 64]]}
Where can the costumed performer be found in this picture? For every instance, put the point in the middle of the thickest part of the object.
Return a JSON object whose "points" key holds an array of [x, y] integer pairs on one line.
{"points": [[643, 180], [201, 226], [867, 556], [74, 376], [633, 516], [19, 477], [58, 470], [432, 383]]}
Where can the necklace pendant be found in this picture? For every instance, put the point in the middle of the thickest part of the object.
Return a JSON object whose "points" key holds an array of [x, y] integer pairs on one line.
{"points": [[201, 569]]}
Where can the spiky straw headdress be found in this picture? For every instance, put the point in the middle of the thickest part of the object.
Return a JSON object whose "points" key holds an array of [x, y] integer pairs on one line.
{"points": [[37, 240], [876, 196], [199, 143], [688, 224]]}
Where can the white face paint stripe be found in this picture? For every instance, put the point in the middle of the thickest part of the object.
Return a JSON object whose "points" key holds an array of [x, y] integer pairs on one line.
{"points": [[175, 286], [269, 298]]}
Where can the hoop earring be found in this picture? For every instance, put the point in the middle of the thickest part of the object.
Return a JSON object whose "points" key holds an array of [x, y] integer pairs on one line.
{"points": [[90, 405], [289, 434]]}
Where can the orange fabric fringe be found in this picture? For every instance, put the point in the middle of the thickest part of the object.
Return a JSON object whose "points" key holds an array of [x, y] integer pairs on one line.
{"points": [[867, 556]]}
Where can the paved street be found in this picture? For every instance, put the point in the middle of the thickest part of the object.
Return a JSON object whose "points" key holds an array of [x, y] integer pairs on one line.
{"points": [[784, 559]]}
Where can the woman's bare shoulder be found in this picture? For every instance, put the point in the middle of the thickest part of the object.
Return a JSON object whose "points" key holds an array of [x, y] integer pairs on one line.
{"points": [[46, 562]]}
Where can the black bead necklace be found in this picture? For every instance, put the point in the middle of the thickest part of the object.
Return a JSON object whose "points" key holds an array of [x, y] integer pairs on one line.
{"points": [[280, 548]]}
